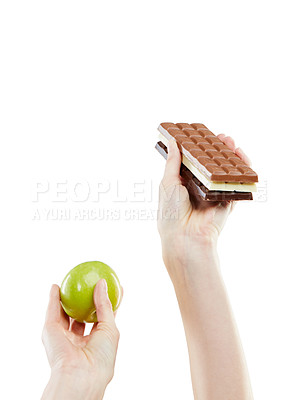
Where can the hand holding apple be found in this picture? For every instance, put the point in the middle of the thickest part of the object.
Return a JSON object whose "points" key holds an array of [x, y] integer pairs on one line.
{"points": [[81, 366]]}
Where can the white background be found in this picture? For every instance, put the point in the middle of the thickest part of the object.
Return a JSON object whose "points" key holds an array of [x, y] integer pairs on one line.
{"points": [[83, 87]]}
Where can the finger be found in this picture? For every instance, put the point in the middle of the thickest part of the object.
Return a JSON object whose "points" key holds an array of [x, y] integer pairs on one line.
{"points": [[64, 318], [122, 294], [239, 152], [172, 169], [77, 327], [102, 303], [55, 312], [228, 141]]}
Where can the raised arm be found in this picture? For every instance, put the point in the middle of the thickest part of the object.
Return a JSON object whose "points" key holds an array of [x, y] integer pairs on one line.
{"points": [[189, 234]]}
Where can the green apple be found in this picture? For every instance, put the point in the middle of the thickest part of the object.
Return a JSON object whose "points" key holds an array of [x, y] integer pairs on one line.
{"points": [[76, 292]]}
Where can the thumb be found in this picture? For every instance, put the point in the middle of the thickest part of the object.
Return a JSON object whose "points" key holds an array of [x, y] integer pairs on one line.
{"points": [[106, 327], [104, 337], [102, 303], [172, 169]]}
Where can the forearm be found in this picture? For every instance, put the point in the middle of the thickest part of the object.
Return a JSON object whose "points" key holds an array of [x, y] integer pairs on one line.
{"points": [[218, 366], [65, 386]]}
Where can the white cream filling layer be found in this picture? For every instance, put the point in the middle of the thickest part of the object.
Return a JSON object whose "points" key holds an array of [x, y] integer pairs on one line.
{"points": [[211, 185]]}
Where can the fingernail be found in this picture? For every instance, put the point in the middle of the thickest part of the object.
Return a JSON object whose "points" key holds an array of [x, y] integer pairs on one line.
{"points": [[104, 283], [52, 290]]}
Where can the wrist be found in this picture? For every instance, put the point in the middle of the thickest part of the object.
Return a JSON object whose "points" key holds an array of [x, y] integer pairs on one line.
{"points": [[187, 258], [184, 249], [74, 384]]}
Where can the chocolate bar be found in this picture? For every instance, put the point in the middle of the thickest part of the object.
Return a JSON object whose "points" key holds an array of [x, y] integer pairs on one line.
{"points": [[196, 188], [213, 163]]}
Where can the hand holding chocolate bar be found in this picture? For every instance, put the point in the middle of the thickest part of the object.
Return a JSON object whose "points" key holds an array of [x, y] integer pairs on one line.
{"points": [[211, 168], [196, 153]]}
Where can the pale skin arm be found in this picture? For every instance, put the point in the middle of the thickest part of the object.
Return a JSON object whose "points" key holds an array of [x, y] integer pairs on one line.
{"points": [[189, 247], [81, 366]]}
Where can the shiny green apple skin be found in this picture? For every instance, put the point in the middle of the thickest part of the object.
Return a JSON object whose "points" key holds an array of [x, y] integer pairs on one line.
{"points": [[77, 288]]}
